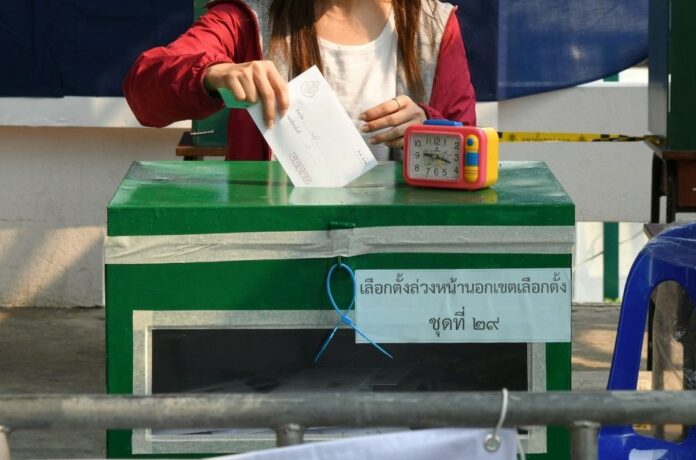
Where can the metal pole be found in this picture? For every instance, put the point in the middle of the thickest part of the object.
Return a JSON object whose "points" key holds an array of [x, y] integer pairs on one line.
{"points": [[289, 434], [454, 409], [4, 444], [583, 440]]}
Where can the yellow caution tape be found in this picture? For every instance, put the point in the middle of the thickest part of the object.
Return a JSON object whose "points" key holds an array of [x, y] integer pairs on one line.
{"points": [[531, 136]]}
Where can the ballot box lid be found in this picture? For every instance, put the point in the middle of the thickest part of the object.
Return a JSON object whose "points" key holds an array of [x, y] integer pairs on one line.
{"points": [[177, 198]]}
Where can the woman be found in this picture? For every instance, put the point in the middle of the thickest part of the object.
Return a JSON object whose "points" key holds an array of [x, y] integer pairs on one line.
{"points": [[392, 63]]}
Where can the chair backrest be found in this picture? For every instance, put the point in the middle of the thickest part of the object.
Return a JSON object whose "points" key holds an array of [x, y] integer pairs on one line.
{"points": [[669, 256]]}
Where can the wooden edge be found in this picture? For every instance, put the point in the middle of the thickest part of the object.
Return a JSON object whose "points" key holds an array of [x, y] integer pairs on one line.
{"points": [[660, 151], [186, 149]]}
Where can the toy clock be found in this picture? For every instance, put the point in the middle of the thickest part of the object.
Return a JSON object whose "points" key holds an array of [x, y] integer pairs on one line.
{"points": [[446, 154]]}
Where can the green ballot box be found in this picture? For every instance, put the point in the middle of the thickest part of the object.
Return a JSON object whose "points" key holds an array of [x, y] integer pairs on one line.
{"points": [[216, 278]]}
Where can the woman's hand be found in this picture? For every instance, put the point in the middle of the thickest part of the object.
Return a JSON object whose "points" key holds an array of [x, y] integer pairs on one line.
{"points": [[398, 113], [252, 82]]}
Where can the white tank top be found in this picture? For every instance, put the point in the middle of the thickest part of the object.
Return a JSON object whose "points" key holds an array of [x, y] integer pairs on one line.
{"points": [[363, 76]]}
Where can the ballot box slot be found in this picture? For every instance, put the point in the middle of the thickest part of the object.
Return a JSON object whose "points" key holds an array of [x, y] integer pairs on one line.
{"points": [[281, 360], [258, 352]]}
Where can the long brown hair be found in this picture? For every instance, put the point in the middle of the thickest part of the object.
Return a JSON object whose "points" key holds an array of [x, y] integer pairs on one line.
{"points": [[296, 18]]}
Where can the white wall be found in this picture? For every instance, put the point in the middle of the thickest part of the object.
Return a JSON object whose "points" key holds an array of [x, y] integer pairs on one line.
{"points": [[61, 160], [607, 181], [54, 187]]}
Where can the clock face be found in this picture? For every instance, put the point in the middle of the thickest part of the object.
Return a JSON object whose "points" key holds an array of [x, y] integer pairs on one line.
{"points": [[435, 156]]}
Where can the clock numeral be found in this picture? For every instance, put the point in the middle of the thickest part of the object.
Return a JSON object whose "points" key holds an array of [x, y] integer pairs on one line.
{"points": [[436, 157]]}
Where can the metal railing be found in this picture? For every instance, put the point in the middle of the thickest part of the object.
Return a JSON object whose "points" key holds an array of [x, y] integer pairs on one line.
{"points": [[289, 414]]}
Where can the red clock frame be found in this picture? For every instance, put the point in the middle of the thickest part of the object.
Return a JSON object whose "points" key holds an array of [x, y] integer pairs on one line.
{"points": [[486, 157]]}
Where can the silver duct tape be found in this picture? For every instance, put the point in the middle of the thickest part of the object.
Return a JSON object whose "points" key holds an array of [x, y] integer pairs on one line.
{"points": [[225, 247]]}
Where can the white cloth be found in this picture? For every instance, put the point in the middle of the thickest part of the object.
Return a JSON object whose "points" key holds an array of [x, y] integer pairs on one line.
{"points": [[363, 76], [440, 444]]}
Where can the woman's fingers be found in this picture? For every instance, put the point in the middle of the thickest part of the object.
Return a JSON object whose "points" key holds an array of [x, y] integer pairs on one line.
{"points": [[397, 113], [237, 89], [392, 137], [267, 96], [280, 87], [252, 82], [250, 90], [382, 110], [393, 119]]}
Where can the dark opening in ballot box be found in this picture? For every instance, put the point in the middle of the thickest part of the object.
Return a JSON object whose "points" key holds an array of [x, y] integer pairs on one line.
{"points": [[216, 279]]}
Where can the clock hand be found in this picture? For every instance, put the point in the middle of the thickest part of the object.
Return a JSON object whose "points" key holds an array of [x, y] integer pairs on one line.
{"points": [[436, 156]]}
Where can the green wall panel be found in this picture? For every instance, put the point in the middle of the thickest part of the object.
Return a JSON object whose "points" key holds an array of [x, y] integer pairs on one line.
{"points": [[672, 62]]}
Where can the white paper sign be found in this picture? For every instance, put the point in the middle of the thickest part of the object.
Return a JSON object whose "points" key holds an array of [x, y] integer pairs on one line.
{"points": [[315, 142], [449, 306], [441, 444]]}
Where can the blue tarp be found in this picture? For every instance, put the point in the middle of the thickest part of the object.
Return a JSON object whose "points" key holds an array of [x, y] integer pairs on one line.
{"points": [[54, 48], [521, 47]]}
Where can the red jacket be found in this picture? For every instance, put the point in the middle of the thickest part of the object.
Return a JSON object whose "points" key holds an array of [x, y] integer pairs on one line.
{"points": [[166, 83]]}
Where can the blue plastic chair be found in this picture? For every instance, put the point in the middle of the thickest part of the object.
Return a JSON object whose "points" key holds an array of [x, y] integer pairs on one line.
{"points": [[669, 256]]}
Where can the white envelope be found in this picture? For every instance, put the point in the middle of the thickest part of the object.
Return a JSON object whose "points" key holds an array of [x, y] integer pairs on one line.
{"points": [[316, 141]]}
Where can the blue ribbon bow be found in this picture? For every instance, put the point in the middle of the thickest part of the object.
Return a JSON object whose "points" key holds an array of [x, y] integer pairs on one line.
{"points": [[343, 315]]}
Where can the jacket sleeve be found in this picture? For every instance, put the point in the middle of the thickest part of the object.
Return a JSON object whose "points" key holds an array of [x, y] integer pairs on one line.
{"points": [[453, 96], [166, 83]]}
